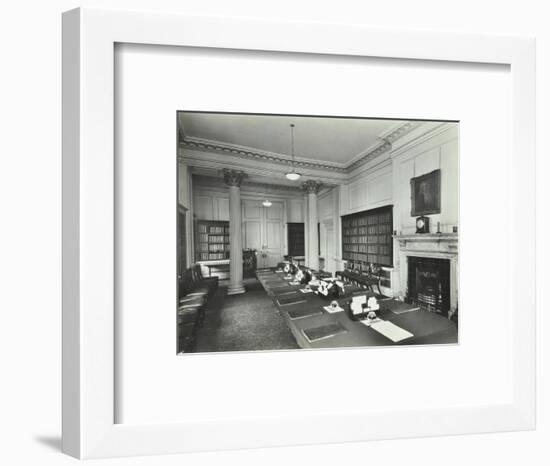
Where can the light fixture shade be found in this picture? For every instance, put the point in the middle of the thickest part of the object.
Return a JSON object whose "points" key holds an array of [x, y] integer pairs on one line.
{"points": [[293, 176], [267, 203]]}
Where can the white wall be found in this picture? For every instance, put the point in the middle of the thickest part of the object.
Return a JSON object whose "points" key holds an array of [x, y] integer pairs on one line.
{"points": [[183, 185], [329, 220], [296, 210], [370, 189], [213, 204], [185, 198], [387, 182], [439, 152]]}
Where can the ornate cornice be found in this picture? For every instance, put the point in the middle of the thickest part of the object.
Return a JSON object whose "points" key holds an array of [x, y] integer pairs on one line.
{"points": [[312, 186], [385, 145], [196, 144], [233, 177]]}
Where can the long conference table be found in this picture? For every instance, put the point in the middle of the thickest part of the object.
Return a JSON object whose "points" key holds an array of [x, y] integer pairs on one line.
{"points": [[314, 327]]}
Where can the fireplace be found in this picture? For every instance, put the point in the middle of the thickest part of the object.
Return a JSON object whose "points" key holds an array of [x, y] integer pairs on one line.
{"points": [[429, 284], [437, 253]]}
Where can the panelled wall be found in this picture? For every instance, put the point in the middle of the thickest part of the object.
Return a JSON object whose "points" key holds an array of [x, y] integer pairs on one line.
{"points": [[211, 206], [383, 181], [329, 229], [185, 200], [439, 152], [386, 181], [264, 228]]}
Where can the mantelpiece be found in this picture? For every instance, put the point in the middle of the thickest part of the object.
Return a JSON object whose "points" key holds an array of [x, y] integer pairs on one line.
{"points": [[436, 243], [429, 245]]}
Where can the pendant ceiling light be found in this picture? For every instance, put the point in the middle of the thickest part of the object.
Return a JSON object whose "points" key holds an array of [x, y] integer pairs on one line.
{"points": [[292, 175], [267, 203]]}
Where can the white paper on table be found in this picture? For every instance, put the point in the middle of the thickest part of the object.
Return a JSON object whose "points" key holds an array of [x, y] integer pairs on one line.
{"points": [[359, 299], [391, 331], [357, 304], [332, 310]]}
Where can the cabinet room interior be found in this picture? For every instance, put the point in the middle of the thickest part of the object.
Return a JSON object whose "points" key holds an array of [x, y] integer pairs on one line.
{"points": [[300, 232]]}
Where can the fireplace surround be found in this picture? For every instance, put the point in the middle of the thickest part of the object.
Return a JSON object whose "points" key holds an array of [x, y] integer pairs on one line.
{"points": [[428, 249]]}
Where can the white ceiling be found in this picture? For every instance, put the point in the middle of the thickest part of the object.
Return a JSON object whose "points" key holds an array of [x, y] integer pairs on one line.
{"points": [[337, 140]]}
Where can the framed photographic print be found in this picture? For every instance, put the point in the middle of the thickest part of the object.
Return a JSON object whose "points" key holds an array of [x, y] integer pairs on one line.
{"points": [[218, 238], [284, 298], [426, 194]]}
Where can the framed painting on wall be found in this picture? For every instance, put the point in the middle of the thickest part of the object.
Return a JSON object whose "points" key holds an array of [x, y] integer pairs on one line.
{"points": [[426, 194]]}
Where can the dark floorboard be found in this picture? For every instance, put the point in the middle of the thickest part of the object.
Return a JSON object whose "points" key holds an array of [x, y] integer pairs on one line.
{"points": [[244, 322]]}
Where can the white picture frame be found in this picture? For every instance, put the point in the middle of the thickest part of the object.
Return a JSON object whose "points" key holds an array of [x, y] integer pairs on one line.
{"points": [[89, 36]]}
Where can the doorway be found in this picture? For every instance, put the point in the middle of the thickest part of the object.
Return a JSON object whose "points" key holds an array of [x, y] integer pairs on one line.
{"points": [[263, 231]]}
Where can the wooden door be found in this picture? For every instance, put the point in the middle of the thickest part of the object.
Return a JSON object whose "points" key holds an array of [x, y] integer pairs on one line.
{"points": [[263, 231], [273, 239]]}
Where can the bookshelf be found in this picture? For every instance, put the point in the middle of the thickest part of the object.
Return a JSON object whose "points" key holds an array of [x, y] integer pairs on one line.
{"points": [[367, 237], [212, 240]]}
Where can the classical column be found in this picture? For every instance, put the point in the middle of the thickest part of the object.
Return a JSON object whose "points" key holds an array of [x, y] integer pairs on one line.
{"points": [[233, 180], [312, 187]]}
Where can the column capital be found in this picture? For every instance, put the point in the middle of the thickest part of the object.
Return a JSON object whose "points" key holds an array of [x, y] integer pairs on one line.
{"points": [[312, 186], [233, 177]]}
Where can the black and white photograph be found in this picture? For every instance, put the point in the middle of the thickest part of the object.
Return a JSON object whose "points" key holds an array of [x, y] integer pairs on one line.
{"points": [[308, 232]]}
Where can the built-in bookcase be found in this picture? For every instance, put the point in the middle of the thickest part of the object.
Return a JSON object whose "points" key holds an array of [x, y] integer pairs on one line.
{"points": [[211, 240], [367, 237]]}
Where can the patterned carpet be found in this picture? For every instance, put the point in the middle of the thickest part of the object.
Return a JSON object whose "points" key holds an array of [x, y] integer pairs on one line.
{"points": [[244, 322]]}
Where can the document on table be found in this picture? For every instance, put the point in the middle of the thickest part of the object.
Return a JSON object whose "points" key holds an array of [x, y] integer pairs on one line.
{"points": [[391, 331], [332, 310]]}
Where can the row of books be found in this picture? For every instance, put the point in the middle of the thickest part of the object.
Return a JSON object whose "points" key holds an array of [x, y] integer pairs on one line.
{"points": [[368, 248], [370, 230], [204, 238], [367, 220], [366, 258], [209, 256], [218, 230], [366, 239], [213, 230], [205, 247]]}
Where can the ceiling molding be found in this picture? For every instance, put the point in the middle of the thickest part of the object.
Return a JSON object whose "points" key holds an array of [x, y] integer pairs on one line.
{"points": [[250, 153], [431, 131], [209, 163], [386, 140], [386, 143]]}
